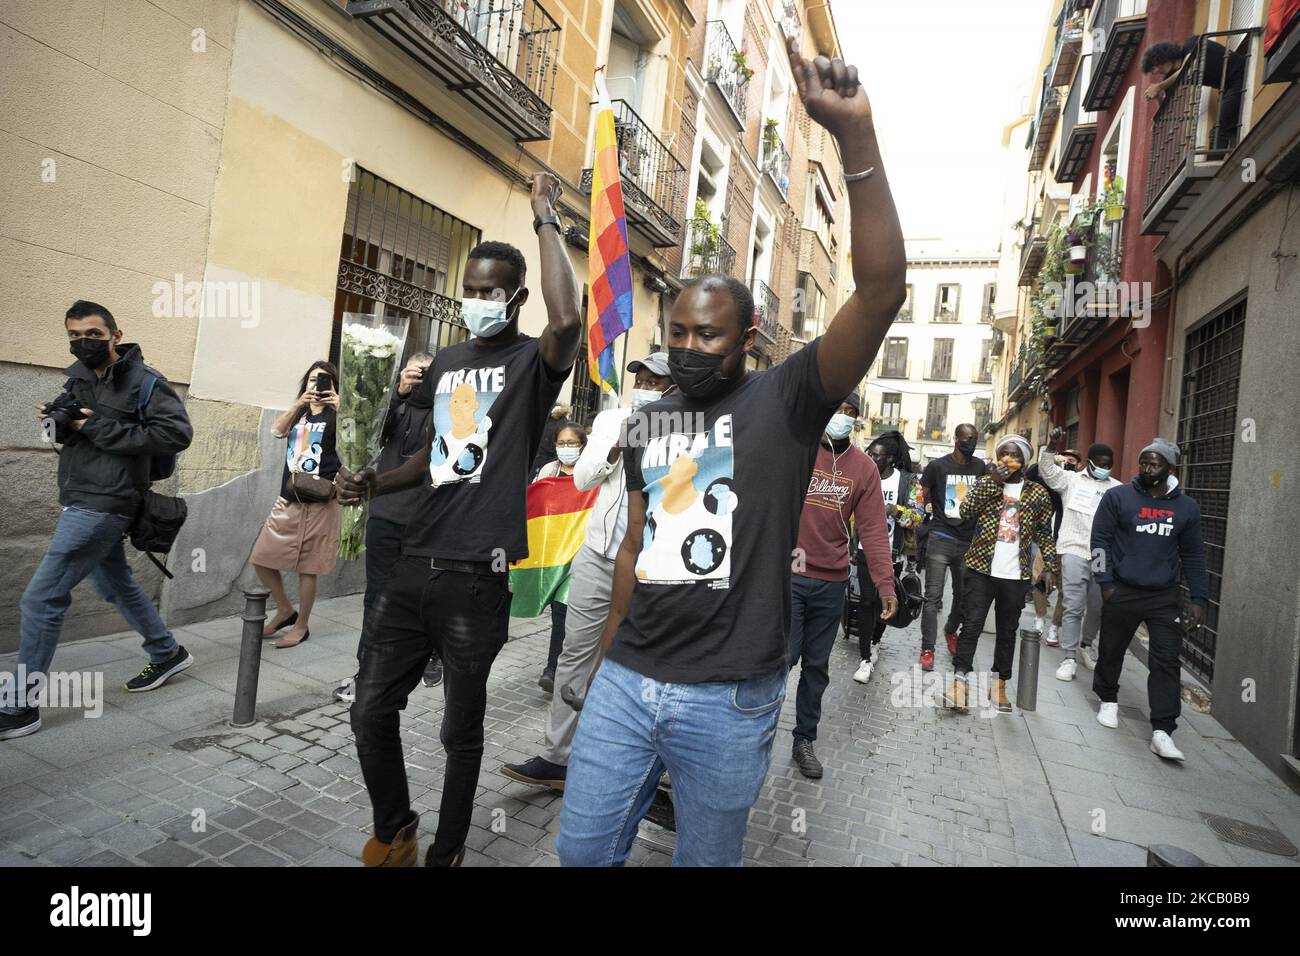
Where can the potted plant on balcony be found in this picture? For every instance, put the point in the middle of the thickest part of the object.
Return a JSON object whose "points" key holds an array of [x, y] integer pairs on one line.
{"points": [[1078, 255], [743, 73], [1112, 199], [704, 235], [770, 136]]}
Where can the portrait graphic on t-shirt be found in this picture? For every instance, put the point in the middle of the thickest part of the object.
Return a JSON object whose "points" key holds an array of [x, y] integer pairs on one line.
{"points": [[955, 494], [461, 402], [303, 452], [689, 481], [1009, 520]]}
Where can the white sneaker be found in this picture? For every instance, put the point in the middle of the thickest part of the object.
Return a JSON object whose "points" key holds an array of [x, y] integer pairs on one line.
{"points": [[1163, 746], [863, 673], [1053, 637], [346, 691], [1066, 670], [1108, 715], [1038, 624], [1088, 657]]}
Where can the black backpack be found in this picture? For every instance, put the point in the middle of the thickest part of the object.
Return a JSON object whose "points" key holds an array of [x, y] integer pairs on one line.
{"points": [[160, 517], [910, 593]]}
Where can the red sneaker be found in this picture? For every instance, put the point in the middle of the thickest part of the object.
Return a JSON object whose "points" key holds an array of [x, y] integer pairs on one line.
{"points": [[951, 638], [927, 659]]}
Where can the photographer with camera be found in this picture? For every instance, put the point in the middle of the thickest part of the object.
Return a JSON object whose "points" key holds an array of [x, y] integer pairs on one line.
{"points": [[114, 414], [302, 532]]}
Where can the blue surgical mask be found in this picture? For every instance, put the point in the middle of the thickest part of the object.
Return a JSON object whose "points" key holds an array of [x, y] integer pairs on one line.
{"points": [[840, 426], [644, 396], [1100, 474], [485, 317], [568, 456]]}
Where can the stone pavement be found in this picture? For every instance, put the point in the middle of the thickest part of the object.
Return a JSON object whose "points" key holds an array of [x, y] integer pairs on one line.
{"points": [[161, 779]]}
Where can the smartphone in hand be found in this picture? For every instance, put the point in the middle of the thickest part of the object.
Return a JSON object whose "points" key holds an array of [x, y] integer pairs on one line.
{"points": [[324, 383]]}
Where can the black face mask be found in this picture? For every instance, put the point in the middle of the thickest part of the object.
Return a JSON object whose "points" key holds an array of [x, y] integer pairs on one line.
{"points": [[967, 447], [92, 353], [1149, 481], [698, 374]]}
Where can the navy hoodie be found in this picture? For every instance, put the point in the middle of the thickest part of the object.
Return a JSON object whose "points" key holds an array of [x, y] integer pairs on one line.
{"points": [[1150, 542]]}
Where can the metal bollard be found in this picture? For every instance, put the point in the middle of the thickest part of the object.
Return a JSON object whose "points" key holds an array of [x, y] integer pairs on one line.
{"points": [[250, 658], [1027, 674], [1162, 854]]}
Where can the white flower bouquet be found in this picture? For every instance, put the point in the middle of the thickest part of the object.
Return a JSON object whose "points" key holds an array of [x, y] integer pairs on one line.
{"points": [[369, 353]]}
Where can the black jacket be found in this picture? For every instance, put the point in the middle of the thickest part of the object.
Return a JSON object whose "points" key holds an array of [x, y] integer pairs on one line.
{"points": [[105, 465], [405, 431]]}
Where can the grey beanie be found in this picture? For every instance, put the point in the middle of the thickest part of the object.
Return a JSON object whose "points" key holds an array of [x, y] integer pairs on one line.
{"points": [[1165, 449]]}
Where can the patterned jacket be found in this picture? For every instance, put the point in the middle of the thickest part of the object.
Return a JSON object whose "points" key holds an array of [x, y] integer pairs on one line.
{"points": [[984, 503]]}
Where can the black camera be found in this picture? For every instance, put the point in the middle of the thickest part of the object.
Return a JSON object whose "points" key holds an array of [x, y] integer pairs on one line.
{"points": [[64, 409]]}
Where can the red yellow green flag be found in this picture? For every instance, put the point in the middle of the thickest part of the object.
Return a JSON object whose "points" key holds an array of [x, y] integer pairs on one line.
{"points": [[557, 523]]}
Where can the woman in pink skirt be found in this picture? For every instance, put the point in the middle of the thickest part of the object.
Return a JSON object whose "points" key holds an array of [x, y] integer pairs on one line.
{"points": [[302, 532]]}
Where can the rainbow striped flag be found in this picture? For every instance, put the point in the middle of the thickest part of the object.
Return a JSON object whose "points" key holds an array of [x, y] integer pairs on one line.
{"points": [[557, 523], [609, 267]]}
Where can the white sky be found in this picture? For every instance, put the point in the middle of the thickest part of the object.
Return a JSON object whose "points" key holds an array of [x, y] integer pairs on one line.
{"points": [[942, 76]]}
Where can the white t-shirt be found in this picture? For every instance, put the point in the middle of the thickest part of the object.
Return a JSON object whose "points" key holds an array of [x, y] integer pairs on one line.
{"points": [[889, 489], [1006, 552]]}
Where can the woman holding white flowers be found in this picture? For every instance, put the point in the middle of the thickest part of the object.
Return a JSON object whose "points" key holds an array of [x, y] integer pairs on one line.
{"points": [[302, 532]]}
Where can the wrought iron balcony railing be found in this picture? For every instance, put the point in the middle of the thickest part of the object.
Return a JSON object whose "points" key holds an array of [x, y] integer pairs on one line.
{"points": [[724, 66], [940, 372], [501, 55], [1120, 24], [768, 306], [1078, 130], [776, 161], [705, 251], [1032, 253], [931, 430], [1069, 43], [881, 423], [654, 182], [1192, 134], [1049, 109], [895, 369]]}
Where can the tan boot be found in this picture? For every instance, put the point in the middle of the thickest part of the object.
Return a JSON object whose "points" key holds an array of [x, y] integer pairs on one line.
{"points": [[403, 851], [956, 696], [998, 695]]}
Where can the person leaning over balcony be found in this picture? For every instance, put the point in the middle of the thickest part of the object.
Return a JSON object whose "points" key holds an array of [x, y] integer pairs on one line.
{"points": [[696, 640], [1009, 513], [1080, 493], [1147, 537], [1220, 69]]}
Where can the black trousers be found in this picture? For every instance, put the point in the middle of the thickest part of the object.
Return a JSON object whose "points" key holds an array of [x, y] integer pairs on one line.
{"points": [[871, 628], [1007, 596], [559, 614], [383, 550], [463, 617], [1162, 613]]}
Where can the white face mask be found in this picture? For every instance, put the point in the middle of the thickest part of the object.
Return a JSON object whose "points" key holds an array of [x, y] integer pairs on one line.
{"points": [[644, 396], [568, 456], [840, 426], [485, 317]]}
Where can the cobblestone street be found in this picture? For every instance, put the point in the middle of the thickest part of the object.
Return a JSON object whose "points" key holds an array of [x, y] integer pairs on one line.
{"points": [[906, 784]]}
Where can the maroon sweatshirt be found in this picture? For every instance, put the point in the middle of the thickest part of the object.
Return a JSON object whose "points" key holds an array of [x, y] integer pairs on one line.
{"points": [[831, 500]]}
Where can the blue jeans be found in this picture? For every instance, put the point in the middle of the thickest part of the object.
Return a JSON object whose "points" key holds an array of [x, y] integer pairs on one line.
{"points": [[816, 607], [85, 544], [715, 740]]}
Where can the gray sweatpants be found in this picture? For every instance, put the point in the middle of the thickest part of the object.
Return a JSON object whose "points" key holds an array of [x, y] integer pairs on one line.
{"points": [[1082, 594], [591, 582]]}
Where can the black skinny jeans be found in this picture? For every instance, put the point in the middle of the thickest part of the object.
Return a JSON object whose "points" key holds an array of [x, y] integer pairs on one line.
{"points": [[464, 617], [983, 591], [1161, 611]]}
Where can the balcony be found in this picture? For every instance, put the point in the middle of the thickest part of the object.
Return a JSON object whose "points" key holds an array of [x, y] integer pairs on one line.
{"points": [[939, 372], [1196, 128], [776, 161], [768, 307], [1078, 131], [1069, 43], [1121, 23], [880, 424], [999, 343], [895, 369], [724, 67], [931, 430], [502, 55], [706, 252], [1040, 141], [1031, 254], [654, 182]]}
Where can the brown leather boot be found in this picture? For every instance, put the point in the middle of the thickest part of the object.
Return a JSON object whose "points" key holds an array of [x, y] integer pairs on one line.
{"points": [[998, 695], [956, 696], [403, 851]]}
